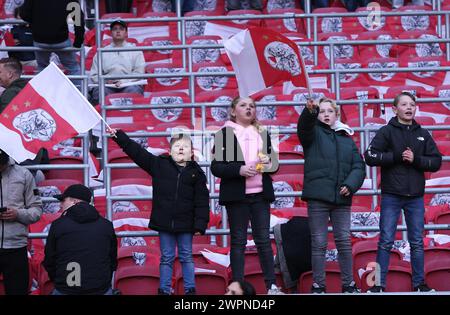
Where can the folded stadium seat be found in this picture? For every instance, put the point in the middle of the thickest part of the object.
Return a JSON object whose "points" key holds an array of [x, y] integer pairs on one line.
{"points": [[439, 179], [340, 51], [442, 135], [287, 183], [203, 55], [437, 274], [440, 111], [137, 280], [118, 156], [156, 116], [415, 90], [272, 5], [399, 278], [132, 186], [437, 253], [123, 99], [365, 252], [129, 127], [428, 79], [51, 187], [41, 226], [199, 259], [154, 6], [384, 80], [413, 22], [332, 276], [134, 221], [348, 79], [421, 49], [215, 114], [425, 121], [215, 82], [254, 275], [361, 24], [175, 83], [210, 279], [175, 127], [247, 23], [330, 24], [364, 218], [140, 31], [288, 25], [350, 112], [378, 50], [141, 6], [443, 218], [162, 55], [65, 173], [215, 6], [296, 169], [432, 211], [137, 256], [197, 28]]}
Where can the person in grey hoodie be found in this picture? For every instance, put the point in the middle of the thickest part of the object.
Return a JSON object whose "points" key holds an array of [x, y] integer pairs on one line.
{"points": [[20, 205]]}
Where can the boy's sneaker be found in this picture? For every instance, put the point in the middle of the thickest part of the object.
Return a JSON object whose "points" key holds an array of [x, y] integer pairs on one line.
{"points": [[351, 288], [423, 288], [274, 290], [190, 292], [161, 292], [376, 289], [317, 289]]}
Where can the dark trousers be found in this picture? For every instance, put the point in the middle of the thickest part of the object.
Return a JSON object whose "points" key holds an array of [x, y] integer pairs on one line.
{"points": [[118, 6], [256, 210], [14, 267]]}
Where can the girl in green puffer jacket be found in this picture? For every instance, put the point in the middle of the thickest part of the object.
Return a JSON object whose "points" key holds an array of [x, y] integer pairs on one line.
{"points": [[334, 171]]}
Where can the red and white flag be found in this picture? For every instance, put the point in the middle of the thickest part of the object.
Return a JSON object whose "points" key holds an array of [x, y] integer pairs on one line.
{"points": [[262, 58], [48, 110]]}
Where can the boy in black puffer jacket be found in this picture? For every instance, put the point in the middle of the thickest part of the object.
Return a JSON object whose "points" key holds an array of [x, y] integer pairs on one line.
{"points": [[180, 203], [404, 150]]}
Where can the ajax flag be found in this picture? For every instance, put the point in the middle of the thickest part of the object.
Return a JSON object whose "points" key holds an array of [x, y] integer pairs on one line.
{"points": [[262, 58], [48, 110]]}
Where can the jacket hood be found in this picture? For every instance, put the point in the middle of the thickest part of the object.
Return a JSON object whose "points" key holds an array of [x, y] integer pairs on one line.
{"points": [[236, 126], [340, 126], [394, 122], [19, 82], [82, 212]]}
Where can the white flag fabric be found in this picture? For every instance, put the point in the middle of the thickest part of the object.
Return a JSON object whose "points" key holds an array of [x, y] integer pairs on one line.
{"points": [[48, 110], [262, 58]]}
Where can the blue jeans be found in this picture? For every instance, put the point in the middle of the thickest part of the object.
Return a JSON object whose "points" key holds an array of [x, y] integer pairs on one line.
{"points": [[414, 209], [67, 58], [56, 292], [167, 243]]}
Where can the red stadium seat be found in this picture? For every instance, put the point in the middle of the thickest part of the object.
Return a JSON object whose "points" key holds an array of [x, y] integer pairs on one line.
{"points": [[213, 83], [137, 280], [296, 169], [288, 25], [254, 275], [330, 24], [201, 55], [65, 173], [399, 278], [332, 276], [216, 114], [130, 256], [210, 279], [379, 50], [246, 23], [437, 253], [287, 183], [158, 84], [437, 274], [340, 51], [365, 252], [118, 156], [401, 23]]}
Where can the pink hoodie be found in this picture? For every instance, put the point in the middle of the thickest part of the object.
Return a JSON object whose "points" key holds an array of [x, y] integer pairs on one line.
{"points": [[251, 143]]}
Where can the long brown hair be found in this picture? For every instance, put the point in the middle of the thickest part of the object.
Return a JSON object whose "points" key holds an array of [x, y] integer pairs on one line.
{"points": [[234, 102]]}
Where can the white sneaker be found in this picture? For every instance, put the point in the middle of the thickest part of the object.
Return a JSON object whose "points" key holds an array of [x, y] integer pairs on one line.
{"points": [[274, 290]]}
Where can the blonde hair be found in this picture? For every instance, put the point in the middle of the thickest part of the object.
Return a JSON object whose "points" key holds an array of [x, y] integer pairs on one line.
{"points": [[332, 103], [255, 122]]}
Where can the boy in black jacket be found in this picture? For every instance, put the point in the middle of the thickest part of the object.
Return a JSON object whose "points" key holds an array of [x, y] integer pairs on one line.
{"points": [[180, 203], [404, 151]]}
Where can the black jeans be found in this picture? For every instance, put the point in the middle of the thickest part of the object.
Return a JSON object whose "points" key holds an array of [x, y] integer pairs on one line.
{"points": [[14, 267], [257, 210]]}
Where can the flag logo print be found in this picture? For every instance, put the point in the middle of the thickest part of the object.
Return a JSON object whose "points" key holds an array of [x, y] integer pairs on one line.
{"points": [[35, 124], [282, 57]]}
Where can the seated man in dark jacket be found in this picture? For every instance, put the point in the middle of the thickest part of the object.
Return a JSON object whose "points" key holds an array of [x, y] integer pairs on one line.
{"points": [[81, 248], [10, 72], [405, 151]]}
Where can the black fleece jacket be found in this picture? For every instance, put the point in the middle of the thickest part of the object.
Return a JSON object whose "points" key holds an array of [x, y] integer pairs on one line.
{"points": [[180, 196], [48, 20], [81, 236], [385, 150]]}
